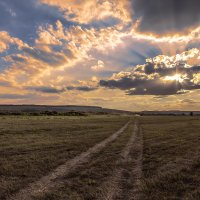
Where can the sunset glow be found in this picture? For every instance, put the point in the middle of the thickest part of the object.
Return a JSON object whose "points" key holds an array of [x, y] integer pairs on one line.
{"points": [[110, 53], [176, 77]]}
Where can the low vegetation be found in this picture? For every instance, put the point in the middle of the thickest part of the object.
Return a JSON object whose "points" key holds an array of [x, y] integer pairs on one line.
{"points": [[30, 147], [163, 161], [171, 160]]}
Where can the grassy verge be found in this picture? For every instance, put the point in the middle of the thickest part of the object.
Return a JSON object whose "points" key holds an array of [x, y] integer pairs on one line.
{"points": [[30, 147], [171, 162]]}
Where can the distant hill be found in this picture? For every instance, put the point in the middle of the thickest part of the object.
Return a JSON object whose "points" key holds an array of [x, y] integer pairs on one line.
{"points": [[48, 109], [80, 110]]}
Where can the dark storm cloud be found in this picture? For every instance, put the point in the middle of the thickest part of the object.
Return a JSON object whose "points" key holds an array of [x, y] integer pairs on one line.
{"points": [[149, 87], [82, 88], [44, 89], [143, 87], [162, 70], [123, 83], [149, 79], [162, 16], [21, 18]]}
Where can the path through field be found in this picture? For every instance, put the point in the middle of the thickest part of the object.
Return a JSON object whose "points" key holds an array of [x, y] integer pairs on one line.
{"points": [[125, 182], [46, 183]]}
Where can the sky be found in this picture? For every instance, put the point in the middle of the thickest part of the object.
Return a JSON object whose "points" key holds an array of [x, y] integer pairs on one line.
{"points": [[123, 54]]}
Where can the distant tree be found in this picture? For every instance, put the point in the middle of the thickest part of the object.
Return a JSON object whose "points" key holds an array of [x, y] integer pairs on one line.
{"points": [[191, 113]]}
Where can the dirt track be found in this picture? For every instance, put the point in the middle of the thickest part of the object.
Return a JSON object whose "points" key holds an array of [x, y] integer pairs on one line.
{"points": [[51, 180], [129, 171]]}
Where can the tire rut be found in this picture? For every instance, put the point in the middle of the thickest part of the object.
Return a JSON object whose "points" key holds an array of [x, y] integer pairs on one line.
{"points": [[125, 182], [46, 183]]}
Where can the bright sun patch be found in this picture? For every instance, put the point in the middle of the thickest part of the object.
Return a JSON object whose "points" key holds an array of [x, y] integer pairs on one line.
{"points": [[176, 77]]}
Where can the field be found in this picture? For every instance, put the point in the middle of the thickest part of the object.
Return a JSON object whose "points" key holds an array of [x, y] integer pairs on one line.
{"points": [[99, 157]]}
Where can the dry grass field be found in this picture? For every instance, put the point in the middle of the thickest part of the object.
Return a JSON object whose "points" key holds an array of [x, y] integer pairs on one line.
{"points": [[99, 157], [171, 161], [30, 147]]}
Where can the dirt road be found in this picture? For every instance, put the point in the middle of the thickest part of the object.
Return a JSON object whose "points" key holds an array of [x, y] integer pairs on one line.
{"points": [[125, 182]]}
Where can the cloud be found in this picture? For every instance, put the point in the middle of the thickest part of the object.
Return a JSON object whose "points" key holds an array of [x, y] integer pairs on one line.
{"points": [[6, 40], [144, 87], [99, 66], [13, 96], [169, 43], [21, 18], [85, 86], [131, 51], [87, 11], [17, 58], [161, 16], [56, 49], [82, 88], [161, 75], [5, 83], [189, 101], [54, 90], [51, 58], [44, 89]]}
